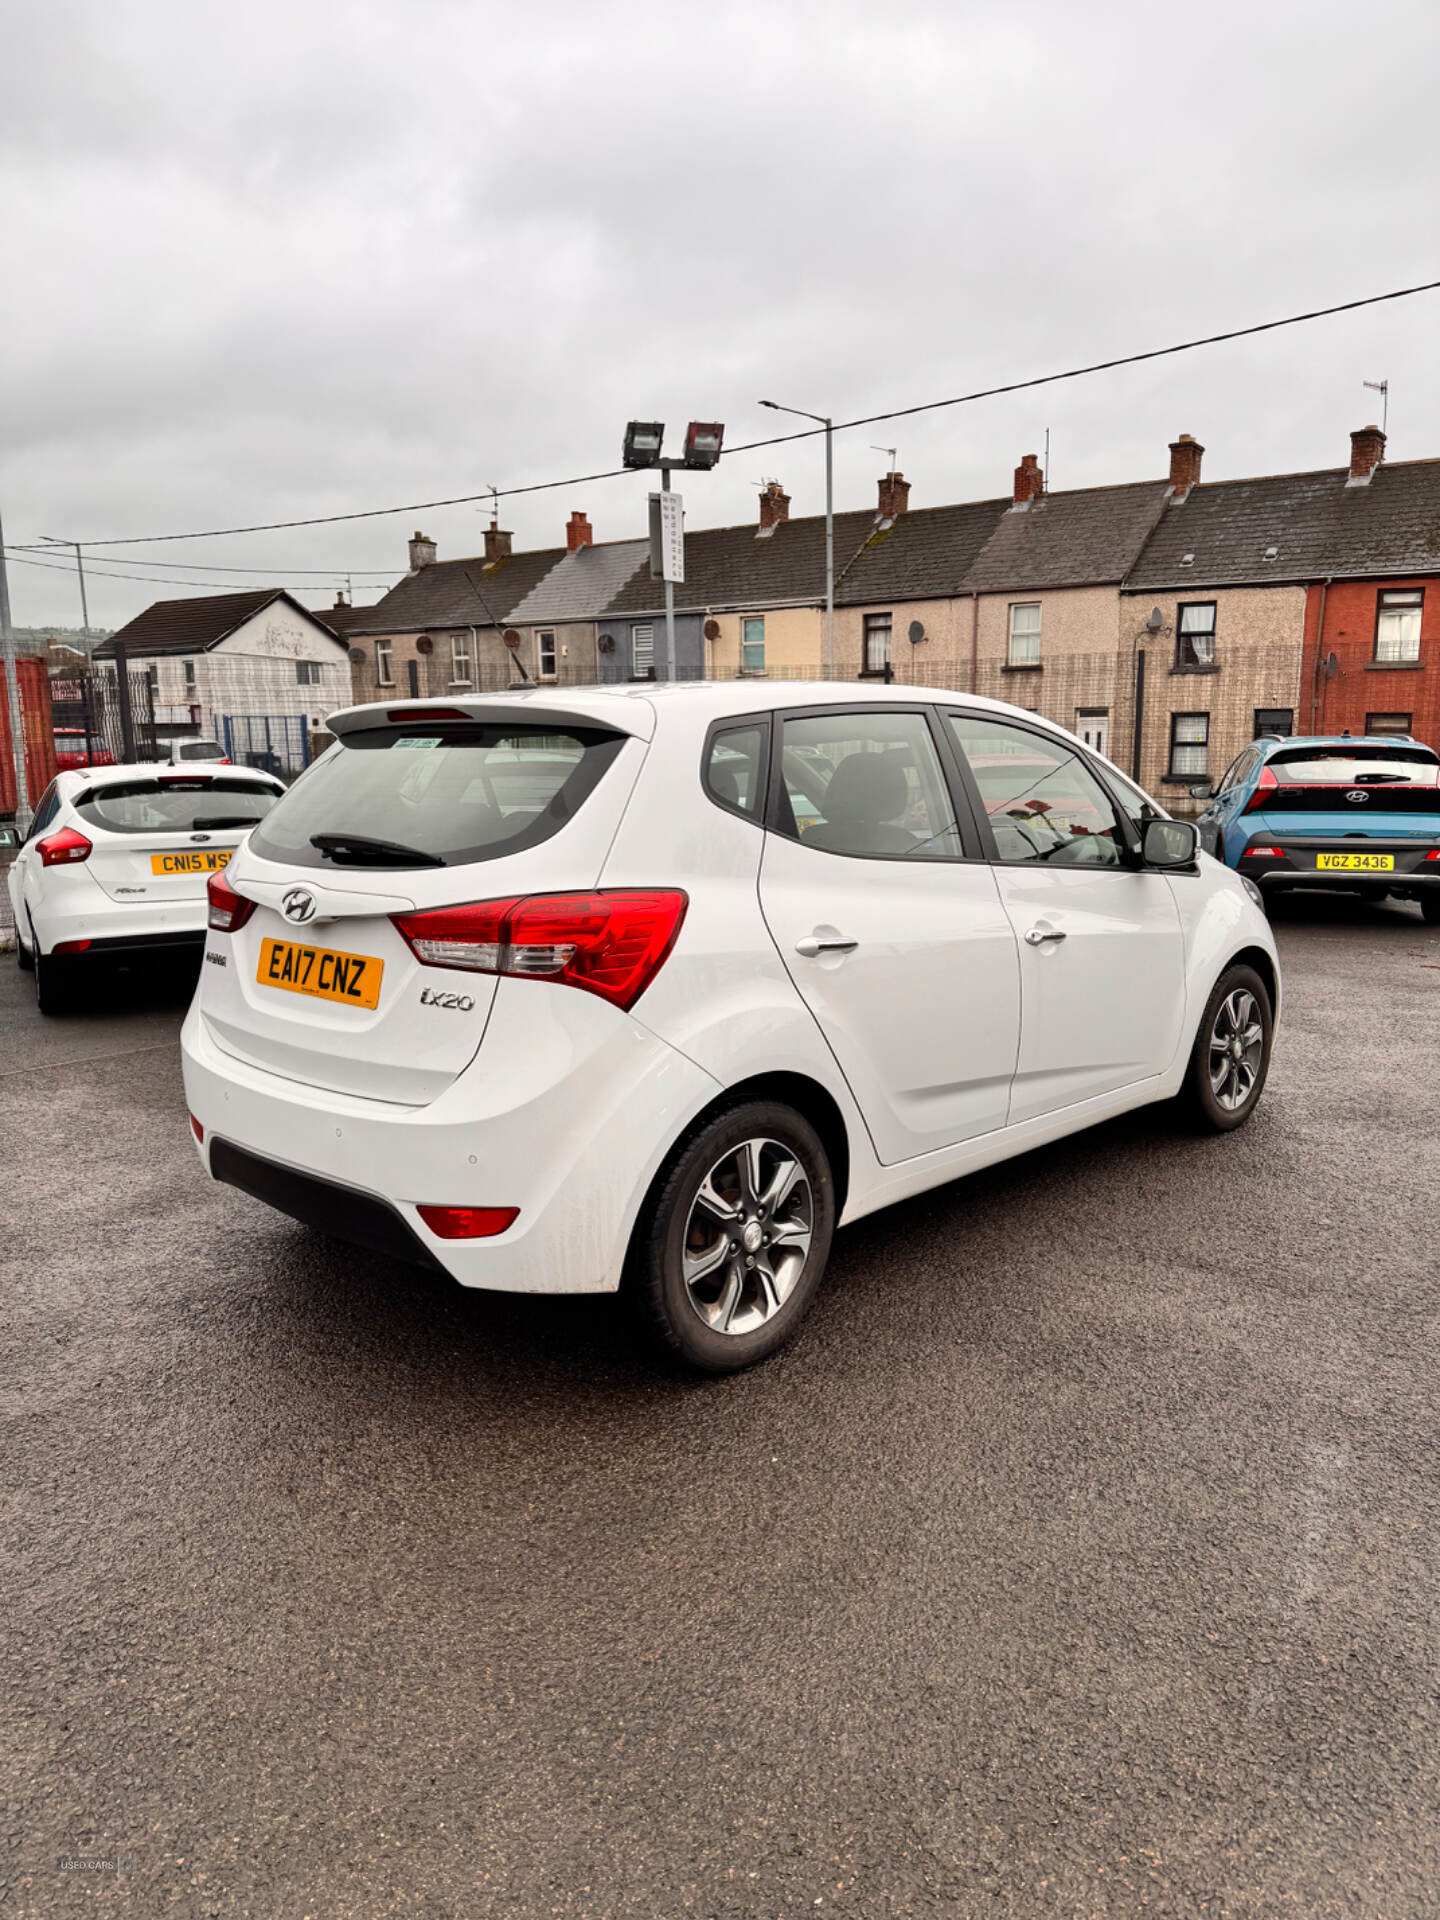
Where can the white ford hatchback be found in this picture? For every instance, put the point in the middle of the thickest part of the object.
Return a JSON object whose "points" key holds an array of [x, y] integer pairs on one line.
{"points": [[116, 861], [560, 991]]}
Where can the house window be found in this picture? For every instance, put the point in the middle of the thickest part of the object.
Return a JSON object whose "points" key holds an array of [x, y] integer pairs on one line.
{"points": [[1025, 634], [1093, 726], [752, 644], [1397, 625], [1274, 723], [307, 673], [189, 666], [462, 661], [1189, 744], [642, 652], [1388, 722], [1195, 634], [545, 653], [877, 642], [384, 663]]}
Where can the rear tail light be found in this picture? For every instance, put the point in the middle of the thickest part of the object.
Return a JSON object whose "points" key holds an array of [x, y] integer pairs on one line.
{"points": [[1263, 853], [610, 943], [1434, 854], [62, 848], [229, 910], [1266, 784], [422, 714], [468, 1223]]}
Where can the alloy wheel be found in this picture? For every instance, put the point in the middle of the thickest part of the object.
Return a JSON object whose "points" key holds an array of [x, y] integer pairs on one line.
{"points": [[1237, 1045], [748, 1236]]}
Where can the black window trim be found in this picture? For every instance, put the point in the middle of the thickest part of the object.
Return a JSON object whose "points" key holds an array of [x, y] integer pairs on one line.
{"points": [[778, 800], [739, 723], [1187, 713], [1129, 839], [1212, 665]]}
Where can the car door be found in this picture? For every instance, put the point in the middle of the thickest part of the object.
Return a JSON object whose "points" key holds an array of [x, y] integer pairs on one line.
{"points": [[1102, 973], [23, 877], [890, 923]]}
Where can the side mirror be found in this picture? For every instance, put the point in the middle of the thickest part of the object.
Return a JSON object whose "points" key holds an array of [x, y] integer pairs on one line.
{"points": [[9, 837], [1170, 843], [1202, 789]]}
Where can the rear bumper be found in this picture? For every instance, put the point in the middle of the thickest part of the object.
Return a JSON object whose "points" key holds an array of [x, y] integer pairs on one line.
{"points": [[1273, 862], [114, 926], [567, 1113]]}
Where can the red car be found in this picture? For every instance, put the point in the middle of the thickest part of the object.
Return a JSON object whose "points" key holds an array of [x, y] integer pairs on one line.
{"points": [[70, 753]]}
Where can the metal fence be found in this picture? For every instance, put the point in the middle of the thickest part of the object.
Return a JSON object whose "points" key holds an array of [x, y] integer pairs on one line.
{"points": [[87, 702], [279, 743]]}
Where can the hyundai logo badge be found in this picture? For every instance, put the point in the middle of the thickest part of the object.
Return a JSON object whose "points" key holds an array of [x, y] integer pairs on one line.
{"points": [[1357, 793], [298, 905]]}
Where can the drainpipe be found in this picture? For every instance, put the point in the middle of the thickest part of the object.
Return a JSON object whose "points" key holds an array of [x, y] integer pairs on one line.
{"points": [[974, 643], [1139, 713], [1319, 642]]}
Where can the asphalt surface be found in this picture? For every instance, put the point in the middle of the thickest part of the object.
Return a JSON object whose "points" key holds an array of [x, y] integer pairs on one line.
{"points": [[1081, 1558]]}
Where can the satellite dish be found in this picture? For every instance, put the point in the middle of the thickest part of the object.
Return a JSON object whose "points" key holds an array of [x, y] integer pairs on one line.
{"points": [[917, 633], [357, 656], [424, 644], [712, 629], [606, 643], [1332, 665], [511, 638]]}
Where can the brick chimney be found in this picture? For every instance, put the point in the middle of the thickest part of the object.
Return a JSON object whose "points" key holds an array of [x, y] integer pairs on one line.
{"points": [[1029, 480], [340, 600], [1186, 454], [1367, 450], [578, 533], [422, 552], [774, 506], [894, 496], [497, 545]]}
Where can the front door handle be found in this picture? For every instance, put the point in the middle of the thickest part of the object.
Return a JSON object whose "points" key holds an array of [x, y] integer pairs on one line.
{"points": [[811, 944], [1037, 936]]}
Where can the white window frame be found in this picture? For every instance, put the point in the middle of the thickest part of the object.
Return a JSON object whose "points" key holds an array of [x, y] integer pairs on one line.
{"points": [[642, 652], [748, 647], [1398, 615], [385, 663], [1023, 640], [462, 660], [545, 643]]}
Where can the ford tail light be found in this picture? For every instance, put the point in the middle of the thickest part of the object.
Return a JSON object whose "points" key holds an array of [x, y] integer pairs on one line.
{"points": [[1266, 784], [611, 943], [62, 849], [229, 910]]}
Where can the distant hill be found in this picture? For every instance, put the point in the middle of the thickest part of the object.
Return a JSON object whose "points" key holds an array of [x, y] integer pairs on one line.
{"points": [[36, 639]]}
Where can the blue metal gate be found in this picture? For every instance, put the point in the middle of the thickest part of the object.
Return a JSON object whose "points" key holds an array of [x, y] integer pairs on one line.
{"points": [[277, 742]]}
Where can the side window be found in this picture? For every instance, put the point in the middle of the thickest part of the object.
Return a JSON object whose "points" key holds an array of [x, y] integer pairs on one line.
{"points": [[1042, 801], [46, 811], [734, 769], [1137, 805], [869, 784]]}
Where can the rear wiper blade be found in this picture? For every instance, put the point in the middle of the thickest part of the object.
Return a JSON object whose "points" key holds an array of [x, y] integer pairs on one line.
{"points": [[359, 850], [228, 820]]}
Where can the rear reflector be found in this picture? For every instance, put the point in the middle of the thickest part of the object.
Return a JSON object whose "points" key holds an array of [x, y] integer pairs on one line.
{"points": [[468, 1223], [229, 910], [197, 1129], [1263, 853], [60, 849], [71, 946], [1434, 854], [611, 943]]}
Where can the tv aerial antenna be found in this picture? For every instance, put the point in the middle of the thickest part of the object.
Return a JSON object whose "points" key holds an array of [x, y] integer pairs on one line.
{"points": [[893, 452], [1382, 387]]}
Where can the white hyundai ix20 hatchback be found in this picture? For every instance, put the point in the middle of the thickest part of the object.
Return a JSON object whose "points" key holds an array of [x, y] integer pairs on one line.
{"points": [[567, 990]]}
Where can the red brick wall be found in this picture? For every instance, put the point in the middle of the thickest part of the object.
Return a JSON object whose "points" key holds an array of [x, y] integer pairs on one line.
{"points": [[1359, 686]]}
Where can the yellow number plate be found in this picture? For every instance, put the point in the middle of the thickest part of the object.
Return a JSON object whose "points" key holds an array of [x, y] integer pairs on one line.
{"points": [[351, 977], [189, 862], [1355, 862]]}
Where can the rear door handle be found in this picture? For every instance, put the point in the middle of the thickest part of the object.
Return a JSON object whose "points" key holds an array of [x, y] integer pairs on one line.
{"points": [[1037, 936], [811, 944]]}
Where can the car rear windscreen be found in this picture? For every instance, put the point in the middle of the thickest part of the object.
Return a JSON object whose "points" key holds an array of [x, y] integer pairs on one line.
{"points": [[1349, 779], [175, 805], [444, 795]]}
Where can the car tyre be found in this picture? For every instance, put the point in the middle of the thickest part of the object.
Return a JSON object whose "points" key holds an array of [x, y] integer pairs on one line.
{"points": [[24, 959], [1430, 909], [1231, 1056], [734, 1237], [54, 990]]}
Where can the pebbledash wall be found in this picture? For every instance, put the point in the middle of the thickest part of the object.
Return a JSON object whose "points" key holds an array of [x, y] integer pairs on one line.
{"points": [[276, 664]]}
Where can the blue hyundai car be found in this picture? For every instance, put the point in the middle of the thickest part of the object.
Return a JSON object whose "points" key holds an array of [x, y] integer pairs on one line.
{"points": [[1357, 813]]}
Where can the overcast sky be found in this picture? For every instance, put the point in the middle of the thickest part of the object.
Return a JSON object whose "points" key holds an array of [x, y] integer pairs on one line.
{"points": [[278, 260]]}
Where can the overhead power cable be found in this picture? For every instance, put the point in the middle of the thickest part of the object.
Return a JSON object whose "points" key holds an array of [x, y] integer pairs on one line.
{"points": [[199, 566], [804, 433], [138, 579]]}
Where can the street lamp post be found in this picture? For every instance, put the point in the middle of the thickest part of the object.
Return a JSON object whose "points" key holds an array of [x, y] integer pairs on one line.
{"points": [[827, 638], [643, 441], [10, 674], [80, 569]]}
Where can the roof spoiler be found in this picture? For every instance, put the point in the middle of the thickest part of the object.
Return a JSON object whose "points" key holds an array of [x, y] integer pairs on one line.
{"points": [[618, 716]]}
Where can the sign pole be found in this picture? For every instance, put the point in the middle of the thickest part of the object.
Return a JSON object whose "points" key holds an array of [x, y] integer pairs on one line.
{"points": [[671, 663], [9, 668]]}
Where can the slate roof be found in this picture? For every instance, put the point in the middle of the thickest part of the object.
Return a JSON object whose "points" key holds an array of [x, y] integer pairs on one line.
{"points": [[1091, 537], [339, 619], [582, 584], [194, 626], [733, 566], [444, 593], [1319, 526], [925, 554]]}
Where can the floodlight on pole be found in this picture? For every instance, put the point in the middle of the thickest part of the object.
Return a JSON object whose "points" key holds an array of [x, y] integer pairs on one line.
{"points": [[827, 637], [703, 439], [643, 441]]}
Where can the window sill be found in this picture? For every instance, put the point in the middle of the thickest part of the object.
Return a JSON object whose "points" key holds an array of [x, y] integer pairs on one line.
{"points": [[1023, 666], [873, 673], [1212, 668], [1394, 666]]}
